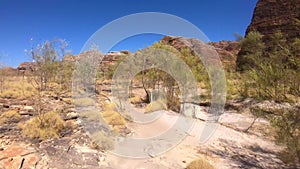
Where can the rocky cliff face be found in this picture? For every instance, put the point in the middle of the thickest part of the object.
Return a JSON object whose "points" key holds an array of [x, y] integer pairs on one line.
{"points": [[227, 50], [271, 16]]}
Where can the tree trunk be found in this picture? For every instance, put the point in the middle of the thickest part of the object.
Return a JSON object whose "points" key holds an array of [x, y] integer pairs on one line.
{"points": [[143, 83], [247, 129]]}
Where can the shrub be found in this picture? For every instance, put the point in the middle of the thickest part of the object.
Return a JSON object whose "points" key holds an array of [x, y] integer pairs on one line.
{"points": [[109, 106], [285, 120], [173, 104], [155, 106], [272, 73], [136, 100], [44, 126], [200, 164], [14, 89], [10, 116], [113, 118], [286, 123], [101, 141]]}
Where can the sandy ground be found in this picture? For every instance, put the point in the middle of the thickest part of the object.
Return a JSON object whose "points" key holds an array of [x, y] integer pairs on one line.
{"points": [[227, 148]]}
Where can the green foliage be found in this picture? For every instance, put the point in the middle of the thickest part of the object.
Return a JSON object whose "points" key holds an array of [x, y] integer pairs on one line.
{"points": [[274, 71], [44, 126], [234, 86], [251, 52], [288, 130], [269, 81], [46, 56], [287, 127], [273, 74], [85, 71], [64, 77], [154, 79], [200, 164]]}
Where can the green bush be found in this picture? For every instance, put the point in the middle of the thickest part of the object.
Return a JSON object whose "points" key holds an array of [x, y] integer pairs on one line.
{"points": [[271, 72], [286, 123]]}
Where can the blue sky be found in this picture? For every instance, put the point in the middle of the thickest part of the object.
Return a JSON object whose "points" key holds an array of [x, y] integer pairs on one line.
{"points": [[77, 20]]}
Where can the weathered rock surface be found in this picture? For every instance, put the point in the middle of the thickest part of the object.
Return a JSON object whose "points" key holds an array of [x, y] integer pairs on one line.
{"points": [[271, 16], [20, 156], [25, 66], [227, 50]]}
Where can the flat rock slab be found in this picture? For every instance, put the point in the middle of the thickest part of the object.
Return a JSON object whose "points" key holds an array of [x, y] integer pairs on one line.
{"points": [[19, 156]]}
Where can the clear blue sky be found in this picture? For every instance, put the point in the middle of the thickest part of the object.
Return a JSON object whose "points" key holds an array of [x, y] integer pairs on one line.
{"points": [[77, 20]]}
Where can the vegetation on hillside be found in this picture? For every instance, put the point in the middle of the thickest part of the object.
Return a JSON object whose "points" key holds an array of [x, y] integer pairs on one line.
{"points": [[271, 72]]}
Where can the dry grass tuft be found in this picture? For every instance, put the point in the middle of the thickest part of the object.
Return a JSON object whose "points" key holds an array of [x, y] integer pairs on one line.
{"points": [[68, 100], [112, 117], [110, 106], [101, 141], [10, 116], [15, 89], [44, 126], [136, 100], [200, 163], [155, 106]]}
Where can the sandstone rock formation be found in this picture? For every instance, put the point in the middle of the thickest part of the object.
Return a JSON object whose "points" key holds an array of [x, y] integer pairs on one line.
{"points": [[26, 66], [227, 50], [271, 16]]}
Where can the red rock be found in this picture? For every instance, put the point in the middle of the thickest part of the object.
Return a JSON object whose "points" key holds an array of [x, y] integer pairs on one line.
{"points": [[271, 16], [13, 156]]}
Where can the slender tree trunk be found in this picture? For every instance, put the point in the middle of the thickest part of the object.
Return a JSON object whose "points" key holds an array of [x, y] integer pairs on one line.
{"points": [[143, 83], [247, 129]]}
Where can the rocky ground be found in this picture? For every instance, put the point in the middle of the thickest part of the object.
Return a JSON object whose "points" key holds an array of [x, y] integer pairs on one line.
{"points": [[229, 147]]}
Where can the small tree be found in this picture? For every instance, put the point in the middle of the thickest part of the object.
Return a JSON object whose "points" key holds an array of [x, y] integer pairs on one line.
{"points": [[46, 57], [285, 120], [274, 75], [287, 127], [251, 52]]}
